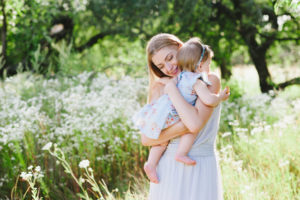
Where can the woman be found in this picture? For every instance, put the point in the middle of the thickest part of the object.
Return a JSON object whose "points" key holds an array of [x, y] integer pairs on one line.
{"points": [[176, 180]]}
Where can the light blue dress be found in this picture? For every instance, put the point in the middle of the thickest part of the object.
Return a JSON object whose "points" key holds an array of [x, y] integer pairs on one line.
{"points": [[160, 114], [182, 182]]}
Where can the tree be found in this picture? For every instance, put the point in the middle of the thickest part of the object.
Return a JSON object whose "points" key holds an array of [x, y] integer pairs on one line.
{"points": [[223, 24], [80, 23], [227, 24], [258, 25]]}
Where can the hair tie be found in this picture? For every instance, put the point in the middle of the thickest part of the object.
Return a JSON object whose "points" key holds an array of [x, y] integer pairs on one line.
{"points": [[202, 54]]}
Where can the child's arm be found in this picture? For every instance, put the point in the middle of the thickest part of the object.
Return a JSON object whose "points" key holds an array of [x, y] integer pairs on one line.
{"points": [[207, 97], [193, 117]]}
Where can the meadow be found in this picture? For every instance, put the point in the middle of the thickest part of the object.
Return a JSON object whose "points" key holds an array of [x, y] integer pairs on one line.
{"points": [[88, 117], [73, 73]]}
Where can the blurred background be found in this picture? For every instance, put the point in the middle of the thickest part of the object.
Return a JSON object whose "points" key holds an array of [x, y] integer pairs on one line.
{"points": [[74, 72]]}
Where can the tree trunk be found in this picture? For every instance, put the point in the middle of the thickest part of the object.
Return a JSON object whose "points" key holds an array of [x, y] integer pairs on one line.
{"points": [[3, 37], [225, 71], [259, 59]]}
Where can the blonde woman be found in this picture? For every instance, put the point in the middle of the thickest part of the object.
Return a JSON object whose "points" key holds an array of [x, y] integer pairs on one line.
{"points": [[161, 114], [176, 180]]}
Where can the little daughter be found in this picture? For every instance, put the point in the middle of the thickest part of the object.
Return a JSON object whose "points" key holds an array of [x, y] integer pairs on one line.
{"points": [[161, 114]]}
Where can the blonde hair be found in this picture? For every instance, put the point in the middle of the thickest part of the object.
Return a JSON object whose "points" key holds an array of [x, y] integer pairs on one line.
{"points": [[156, 43], [190, 52]]}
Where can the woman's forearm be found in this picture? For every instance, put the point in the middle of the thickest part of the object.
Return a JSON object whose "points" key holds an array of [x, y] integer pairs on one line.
{"points": [[187, 113], [167, 134], [194, 118]]}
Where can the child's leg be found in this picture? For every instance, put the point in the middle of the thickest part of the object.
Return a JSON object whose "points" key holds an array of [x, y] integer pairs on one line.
{"points": [[186, 142], [153, 158]]}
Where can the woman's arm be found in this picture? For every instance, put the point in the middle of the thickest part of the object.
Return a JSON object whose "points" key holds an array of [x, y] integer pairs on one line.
{"points": [[179, 128], [202, 114], [194, 118], [167, 134]]}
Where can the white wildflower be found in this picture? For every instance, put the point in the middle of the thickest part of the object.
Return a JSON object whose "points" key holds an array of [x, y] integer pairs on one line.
{"points": [[23, 175], [47, 147], [226, 134], [234, 123], [81, 180], [37, 168], [84, 164], [283, 163], [26, 176]]}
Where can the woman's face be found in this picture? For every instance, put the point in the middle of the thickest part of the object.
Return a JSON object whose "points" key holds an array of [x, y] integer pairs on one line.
{"points": [[165, 60]]}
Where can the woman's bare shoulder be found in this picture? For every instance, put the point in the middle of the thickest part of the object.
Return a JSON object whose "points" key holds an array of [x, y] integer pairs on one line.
{"points": [[216, 82], [156, 91]]}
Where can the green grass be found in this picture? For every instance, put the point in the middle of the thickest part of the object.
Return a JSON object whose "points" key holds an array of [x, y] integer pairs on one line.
{"points": [[88, 116], [262, 166]]}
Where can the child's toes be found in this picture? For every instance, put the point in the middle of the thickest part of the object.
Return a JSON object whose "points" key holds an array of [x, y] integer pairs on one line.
{"points": [[185, 159]]}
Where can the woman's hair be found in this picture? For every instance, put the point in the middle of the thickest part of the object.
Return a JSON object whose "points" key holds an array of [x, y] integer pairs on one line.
{"points": [[156, 43], [190, 53]]}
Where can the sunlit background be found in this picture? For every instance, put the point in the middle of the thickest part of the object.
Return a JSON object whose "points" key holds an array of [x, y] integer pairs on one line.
{"points": [[73, 73]]}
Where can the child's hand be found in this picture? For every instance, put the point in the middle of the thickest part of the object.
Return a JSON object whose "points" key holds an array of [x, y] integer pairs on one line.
{"points": [[168, 82], [225, 93], [164, 80], [172, 83]]}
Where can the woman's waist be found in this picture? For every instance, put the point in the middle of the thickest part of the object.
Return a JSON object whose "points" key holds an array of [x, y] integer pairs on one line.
{"points": [[196, 150]]}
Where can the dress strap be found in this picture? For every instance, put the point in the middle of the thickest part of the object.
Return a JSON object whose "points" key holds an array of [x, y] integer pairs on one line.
{"points": [[179, 77], [204, 78]]}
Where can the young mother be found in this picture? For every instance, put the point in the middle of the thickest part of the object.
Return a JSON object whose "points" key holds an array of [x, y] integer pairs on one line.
{"points": [[176, 180]]}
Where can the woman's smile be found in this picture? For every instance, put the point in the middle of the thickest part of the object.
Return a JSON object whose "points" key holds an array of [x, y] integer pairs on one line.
{"points": [[175, 71]]}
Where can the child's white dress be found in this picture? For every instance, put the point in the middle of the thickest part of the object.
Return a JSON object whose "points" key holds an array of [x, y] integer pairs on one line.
{"points": [[160, 114]]}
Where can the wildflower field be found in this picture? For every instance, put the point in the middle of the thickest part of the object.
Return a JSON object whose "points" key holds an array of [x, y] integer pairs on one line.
{"points": [[72, 137]]}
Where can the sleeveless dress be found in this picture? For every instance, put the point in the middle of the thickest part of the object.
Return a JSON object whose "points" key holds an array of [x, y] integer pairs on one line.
{"points": [[182, 182], [160, 114]]}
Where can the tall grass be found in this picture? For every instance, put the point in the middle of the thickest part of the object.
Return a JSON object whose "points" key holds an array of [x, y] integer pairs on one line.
{"points": [[88, 117]]}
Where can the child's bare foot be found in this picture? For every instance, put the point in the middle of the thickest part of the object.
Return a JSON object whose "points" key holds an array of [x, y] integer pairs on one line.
{"points": [[151, 172], [185, 159]]}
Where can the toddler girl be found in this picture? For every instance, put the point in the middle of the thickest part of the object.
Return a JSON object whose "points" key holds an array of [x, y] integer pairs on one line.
{"points": [[161, 114]]}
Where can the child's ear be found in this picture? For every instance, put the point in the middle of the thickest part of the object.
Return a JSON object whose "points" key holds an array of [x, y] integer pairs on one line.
{"points": [[200, 68]]}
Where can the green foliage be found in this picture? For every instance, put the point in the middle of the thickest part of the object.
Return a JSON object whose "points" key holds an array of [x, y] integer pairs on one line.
{"points": [[129, 59], [90, 27]]}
